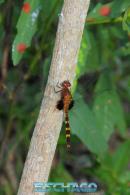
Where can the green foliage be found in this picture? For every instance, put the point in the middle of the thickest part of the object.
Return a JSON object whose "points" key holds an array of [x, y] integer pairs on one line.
{"points": [[26, 27], [86, 61], [2, 1], [126, 20], [85, 126], [119, 7], [113, 170], [100, 127], [108, 110]]}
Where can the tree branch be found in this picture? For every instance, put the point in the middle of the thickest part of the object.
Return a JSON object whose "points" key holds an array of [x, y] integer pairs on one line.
{"points": [[46, 132]]}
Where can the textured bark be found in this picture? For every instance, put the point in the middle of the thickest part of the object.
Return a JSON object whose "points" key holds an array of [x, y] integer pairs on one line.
{"points": [[48, 126]]}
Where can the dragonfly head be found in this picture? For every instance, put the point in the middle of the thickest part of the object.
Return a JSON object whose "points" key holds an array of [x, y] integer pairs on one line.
{"points": [[66, 84]]}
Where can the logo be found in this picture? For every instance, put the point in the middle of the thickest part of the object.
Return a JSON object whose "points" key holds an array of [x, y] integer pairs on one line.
{"points": [[61, 187]]}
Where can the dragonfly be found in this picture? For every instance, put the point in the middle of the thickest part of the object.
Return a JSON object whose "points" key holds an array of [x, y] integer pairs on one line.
{"points": [[65, 103]]}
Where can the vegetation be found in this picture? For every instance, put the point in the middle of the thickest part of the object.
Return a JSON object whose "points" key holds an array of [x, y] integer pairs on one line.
{"points": [[100, 119]]}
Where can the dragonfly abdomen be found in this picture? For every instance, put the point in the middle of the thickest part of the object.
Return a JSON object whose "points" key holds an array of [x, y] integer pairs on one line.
{"points": [[67, 129]]}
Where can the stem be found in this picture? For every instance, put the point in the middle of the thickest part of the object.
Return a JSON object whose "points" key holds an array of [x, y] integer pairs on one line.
{"points": [[44, 140], [91, 21]]}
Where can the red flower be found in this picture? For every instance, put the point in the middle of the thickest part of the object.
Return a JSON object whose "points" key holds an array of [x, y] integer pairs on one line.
{"points": [[26, 7], [104, 10], [21, 47]]}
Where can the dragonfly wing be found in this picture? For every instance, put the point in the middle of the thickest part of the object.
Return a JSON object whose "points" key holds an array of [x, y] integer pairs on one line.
{"points": [[71, 104], [60, 105]]}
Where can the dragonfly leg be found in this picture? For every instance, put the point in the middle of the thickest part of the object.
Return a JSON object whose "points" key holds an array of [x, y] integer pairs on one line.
{"points": [[58, 86], [57, 91]]}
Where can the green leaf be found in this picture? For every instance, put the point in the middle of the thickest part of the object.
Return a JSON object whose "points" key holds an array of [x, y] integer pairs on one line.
{"points": [[95, 16], [95, 13], [86, 60], [126, 20], [26, 27], [84, 125], [118, 7], [108, 109], [2, 1], [120, 122], [124, 50], [121, 158], [125, 176]]}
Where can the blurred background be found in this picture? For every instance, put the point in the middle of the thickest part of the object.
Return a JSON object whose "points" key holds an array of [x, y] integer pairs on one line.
{"points": [[100, 119]]}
